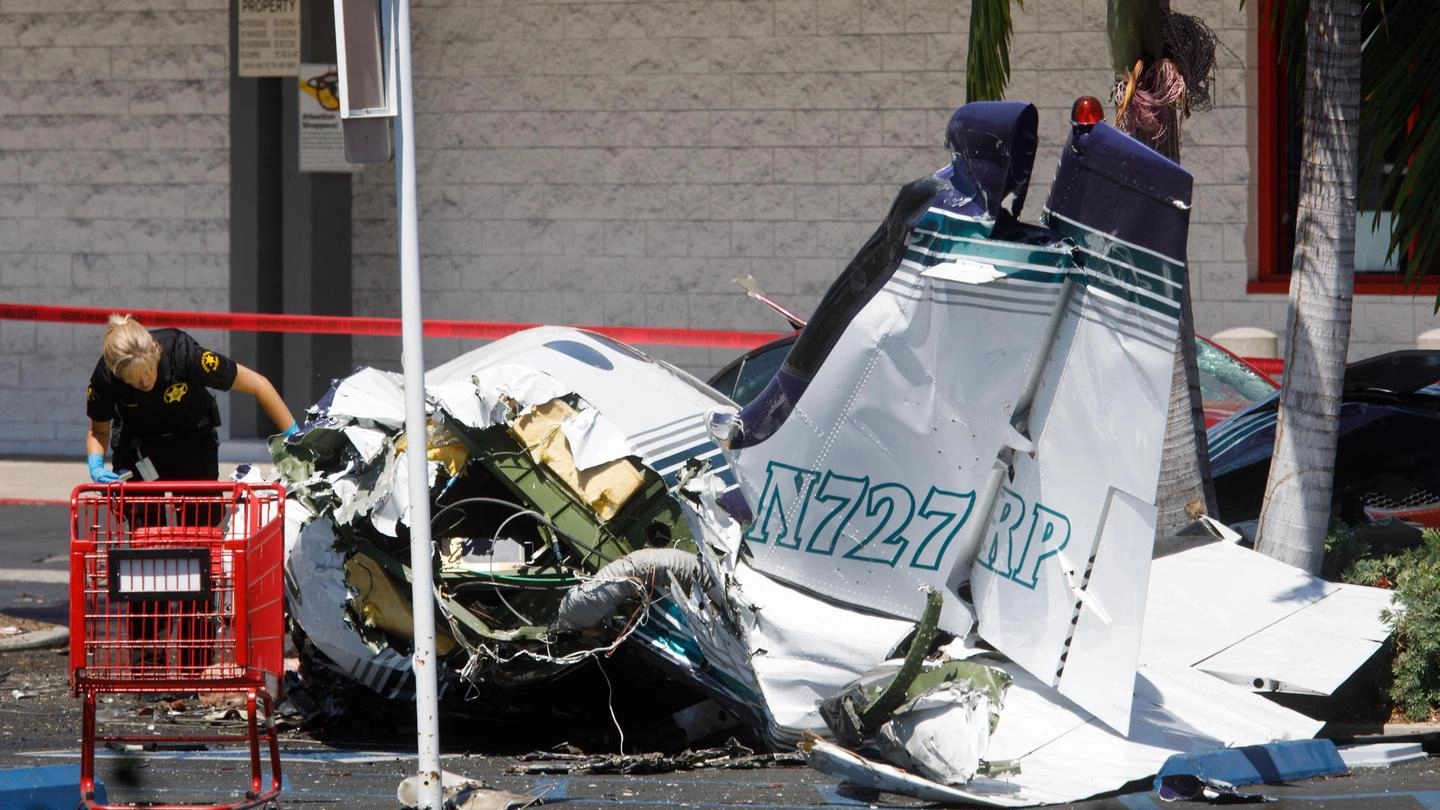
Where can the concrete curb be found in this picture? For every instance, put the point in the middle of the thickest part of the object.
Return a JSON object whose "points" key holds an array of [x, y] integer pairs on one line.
{"points": [[55, 636], [1412, 729], [1360, 732]]}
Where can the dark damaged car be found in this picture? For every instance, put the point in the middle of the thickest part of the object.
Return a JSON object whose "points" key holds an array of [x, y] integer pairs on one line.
{"points": [[1387, 460]]}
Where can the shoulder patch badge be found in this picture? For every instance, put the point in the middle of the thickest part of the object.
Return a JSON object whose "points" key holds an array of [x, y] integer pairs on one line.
{"points": [[209, 361]]}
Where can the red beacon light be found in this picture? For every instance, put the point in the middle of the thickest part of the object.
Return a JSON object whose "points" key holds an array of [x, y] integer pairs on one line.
{"points": [[1086, 112]]}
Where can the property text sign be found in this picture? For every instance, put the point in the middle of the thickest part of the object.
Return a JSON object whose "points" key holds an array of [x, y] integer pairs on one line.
{"points": [[269, 38]]}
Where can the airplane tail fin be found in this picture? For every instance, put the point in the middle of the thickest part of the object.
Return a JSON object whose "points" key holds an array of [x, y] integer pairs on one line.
{"points": [[1079, 511]]}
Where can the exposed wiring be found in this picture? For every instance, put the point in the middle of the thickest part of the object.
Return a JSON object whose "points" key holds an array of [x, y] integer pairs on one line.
{"points": [[519, 581], [554, 542], [610, 704], [520, 509], [574, 657], [477, 652], [521, 616]]}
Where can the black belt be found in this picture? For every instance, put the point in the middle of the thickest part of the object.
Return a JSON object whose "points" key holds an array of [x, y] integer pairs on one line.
{"points": [[165, 438]]}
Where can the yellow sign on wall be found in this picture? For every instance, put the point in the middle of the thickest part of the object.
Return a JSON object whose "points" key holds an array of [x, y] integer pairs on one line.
{"points": [[322, 145]]}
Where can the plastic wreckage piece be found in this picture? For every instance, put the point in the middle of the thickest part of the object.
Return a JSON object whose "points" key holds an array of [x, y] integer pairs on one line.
{"points": [[462, 793], [1219, 772], [934, 718], [855, 770], [1381, 755], [1189, 788]]}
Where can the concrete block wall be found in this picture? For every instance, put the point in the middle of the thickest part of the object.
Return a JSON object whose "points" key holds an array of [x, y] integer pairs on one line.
{"points": [[1220, 150], [1385, 323], [621, 162], [114, 178], [579, 162], [1217, 149]]}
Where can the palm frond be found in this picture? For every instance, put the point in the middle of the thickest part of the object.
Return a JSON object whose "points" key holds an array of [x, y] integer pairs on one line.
{"points": [[1285, 20], [987, 63], [1403, 122]]}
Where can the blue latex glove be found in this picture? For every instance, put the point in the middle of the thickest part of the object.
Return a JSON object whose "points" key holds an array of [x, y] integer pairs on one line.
{"points": [[98, 473], [290, 431]]}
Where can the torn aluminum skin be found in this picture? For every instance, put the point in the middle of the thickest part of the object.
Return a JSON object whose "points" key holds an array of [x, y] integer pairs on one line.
{"points": [[553, 455]]}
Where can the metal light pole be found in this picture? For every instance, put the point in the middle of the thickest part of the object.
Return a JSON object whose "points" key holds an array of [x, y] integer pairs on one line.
{"points": [[417, 441], [373, 48]]}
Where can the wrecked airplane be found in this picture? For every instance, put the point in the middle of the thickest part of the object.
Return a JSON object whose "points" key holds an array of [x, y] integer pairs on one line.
{"points": [[923, 554]]}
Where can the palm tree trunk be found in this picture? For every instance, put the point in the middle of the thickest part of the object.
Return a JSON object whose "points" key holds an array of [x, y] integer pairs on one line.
{"points": [[1296, 512], [1185, 487]]}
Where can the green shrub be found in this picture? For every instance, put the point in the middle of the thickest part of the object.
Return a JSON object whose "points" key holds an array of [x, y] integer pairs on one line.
{"points": [[1414, 620]]}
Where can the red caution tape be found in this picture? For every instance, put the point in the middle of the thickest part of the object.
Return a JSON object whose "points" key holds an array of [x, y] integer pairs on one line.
{"points": [[341, 325]]}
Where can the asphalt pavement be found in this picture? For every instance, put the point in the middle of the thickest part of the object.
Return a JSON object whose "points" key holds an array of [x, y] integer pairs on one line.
{"points": [[40, 726], [40, 723]]}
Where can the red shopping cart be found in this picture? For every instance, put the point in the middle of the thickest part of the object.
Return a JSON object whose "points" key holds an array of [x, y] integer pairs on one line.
{"points": [[178, 587]]}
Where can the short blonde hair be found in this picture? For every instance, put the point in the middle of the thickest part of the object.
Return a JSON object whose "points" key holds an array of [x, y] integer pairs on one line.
{"points": [[128, 347]]}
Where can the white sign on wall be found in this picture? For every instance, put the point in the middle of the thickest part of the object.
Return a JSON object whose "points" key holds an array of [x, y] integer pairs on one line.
{"points": [[269, 37], [322, 144]]}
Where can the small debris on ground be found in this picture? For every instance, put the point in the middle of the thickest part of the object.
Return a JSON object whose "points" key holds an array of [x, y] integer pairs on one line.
{"points": [[731, 756], [17, 625]]}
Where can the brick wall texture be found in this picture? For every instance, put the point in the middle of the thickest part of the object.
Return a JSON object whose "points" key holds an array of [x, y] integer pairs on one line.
{"points": [[623, 162], [578, 162], [114, 184]]}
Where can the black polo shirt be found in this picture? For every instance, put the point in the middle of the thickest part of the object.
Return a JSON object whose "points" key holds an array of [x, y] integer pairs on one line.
{"points": [[178, 404]]}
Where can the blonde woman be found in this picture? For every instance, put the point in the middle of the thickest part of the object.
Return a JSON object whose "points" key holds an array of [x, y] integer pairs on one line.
{"points": [[157, 383]]}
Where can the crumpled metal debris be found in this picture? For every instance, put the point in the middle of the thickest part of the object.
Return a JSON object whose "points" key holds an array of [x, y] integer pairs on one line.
{"points": [[558, 528], [509, 562], [1189, 787], [856, 771], [942, 728], [931, 716]]}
